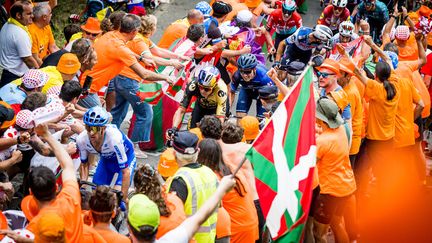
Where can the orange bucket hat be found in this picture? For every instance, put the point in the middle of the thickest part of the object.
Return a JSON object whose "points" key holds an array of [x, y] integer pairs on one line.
{"points": [[346, 65], [167, 163], [50, 228], [331, 65], [92, 26], [68, 64], [250, 124], [252, 3]]}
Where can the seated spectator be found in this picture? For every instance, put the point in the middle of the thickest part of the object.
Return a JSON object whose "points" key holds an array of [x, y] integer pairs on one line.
{"points": [[90, 30]]}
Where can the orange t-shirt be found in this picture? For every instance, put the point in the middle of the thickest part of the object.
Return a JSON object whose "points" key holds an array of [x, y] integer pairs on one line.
{"points": [[90, 235], [409, 52], [241, 209], [355, 101], [175, 219], [223, 224], [409, 70], [68, 206], [174, 31], [236, 7], [382, 112], [335, 174], [138, 45], [111, 236], [42, 38], [113, 55]]}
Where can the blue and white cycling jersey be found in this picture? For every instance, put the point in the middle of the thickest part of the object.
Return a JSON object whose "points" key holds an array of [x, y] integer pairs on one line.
{"points": [[301, 40], [116, 148], [261, 79]]}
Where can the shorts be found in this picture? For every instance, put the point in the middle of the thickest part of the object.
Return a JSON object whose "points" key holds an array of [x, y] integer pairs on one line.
{"points": [[293, 53], [198, 113], [106, 169], [327, 206]]}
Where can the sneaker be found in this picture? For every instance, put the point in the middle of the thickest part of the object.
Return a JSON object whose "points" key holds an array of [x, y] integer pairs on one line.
{"points": [[139, 154]]}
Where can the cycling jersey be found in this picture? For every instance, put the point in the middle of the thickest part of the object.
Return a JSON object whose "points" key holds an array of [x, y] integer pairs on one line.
{"points": [[327, 18], [281, 26], [379, 15], [336, 38], [301, 40], [216, 100], [261, 79]]}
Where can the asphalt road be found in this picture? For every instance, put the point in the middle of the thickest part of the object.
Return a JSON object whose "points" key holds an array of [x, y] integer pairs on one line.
{"points": [[176, 9]]}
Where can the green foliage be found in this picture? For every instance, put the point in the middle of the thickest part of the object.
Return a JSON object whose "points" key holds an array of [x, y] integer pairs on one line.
{"points": [[61, 15]]}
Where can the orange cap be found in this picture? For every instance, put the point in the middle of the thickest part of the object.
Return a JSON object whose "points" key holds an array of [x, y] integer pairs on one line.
{"points": [[50, 228], [3, 224], [252, 3], [29, 207], [92, 26], [424, 11], [197, 132], [9, 111], [250, 124], [331, 65], [68, 64], [346, 65], [167, 163]]}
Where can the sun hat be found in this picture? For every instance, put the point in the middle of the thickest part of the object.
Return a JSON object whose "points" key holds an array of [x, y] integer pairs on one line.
{"points": [[252, 3], [346, 65], [402, 32], [331, 65], [50, 228], [7, 115], [68, 64], [244, 16], [250, 124], [92, 26], [24, 119], [143, 212], [185, 142], [327, 111], [167, 166], [34, 78]]}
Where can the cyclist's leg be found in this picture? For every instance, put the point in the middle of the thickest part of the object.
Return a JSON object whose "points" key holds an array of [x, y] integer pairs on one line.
{"points": [[196, 115], [259, 108], [120, 109], [103, 175], [244, 102]]}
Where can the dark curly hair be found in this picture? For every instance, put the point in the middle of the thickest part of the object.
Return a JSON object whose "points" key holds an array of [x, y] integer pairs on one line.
{"points": [[211, 127], [102, 203], [146, 181], [232, 133]]}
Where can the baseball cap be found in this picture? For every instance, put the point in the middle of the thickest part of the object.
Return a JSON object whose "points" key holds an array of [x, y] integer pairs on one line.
{"points": [[221, 8], [167, 163], [143, 212], [330, 64], [50, 228], [185, 142], [34, 78], [7, 115], [327, 111], [250, 124], [68, 64], [268, 92], [244, 16]]}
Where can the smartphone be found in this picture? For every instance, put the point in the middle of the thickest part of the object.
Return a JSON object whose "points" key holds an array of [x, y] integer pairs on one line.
{"points": [[87, 83]]}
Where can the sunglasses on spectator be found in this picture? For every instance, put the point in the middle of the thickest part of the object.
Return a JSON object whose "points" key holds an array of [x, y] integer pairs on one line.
{"points": [[206, 89], [246, 71], [94, 129], [92, 34], [324, 75]]}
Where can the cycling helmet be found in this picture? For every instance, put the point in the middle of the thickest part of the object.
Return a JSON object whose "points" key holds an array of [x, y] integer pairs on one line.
{"points": [[340, 3], [208, 76], [204, 8], [96, 117], [322, 32], [346, 29], [247, 61], [394, 58], [289, 6]]}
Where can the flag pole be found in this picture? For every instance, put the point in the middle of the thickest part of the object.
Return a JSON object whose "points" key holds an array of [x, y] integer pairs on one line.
{"points": [[239, 166]]}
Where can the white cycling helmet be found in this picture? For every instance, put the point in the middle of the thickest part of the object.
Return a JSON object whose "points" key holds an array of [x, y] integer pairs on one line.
{"points": [[340, 3], [346, 28], [322, 32]]}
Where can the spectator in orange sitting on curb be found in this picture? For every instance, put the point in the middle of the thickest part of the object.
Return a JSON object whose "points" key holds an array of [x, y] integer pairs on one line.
{"points": [[238, 202]]}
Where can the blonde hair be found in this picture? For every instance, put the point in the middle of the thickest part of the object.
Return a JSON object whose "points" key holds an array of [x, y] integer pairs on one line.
{"points": [[148, 24]]}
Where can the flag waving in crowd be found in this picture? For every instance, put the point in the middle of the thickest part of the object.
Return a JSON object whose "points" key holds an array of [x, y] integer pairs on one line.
{"points": [[284, 157]]}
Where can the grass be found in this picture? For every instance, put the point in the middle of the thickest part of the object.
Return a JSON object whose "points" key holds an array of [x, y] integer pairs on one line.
{"points": [[61, 15]]}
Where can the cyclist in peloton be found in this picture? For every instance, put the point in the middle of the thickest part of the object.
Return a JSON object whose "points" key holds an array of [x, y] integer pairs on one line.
{"points": [[114, 148], [334, 14]]}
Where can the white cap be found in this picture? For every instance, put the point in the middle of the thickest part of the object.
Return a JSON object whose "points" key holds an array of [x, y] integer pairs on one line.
{"points": [[244, 16]]}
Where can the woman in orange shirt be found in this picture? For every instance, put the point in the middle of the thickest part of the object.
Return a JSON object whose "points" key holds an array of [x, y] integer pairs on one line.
{"points": [[238, 202], [171, 208]]}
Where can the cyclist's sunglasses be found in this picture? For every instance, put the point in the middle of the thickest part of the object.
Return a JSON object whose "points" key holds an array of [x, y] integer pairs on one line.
{"points": [[206, 89], [325, 75], [246, 71], [94, 129], [287, 12], [369, 3]]}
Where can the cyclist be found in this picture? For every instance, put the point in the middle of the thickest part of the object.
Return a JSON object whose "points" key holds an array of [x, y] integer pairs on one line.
{"points": [[285, 21], [116, 151], [251, 77], [211, 97], [376, 14], [299, 46], [346, 33], [334, 14]]}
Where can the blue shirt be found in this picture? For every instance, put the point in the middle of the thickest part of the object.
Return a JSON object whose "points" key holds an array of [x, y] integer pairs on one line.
{"points": [[260, 79], [12, 94], [346, 113]]}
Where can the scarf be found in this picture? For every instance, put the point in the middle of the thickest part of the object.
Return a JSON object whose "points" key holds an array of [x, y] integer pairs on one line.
{"points": [[15, 22]]}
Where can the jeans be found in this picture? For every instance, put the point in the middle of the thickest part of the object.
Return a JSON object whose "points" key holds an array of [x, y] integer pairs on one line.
{"points": [[91, 100], [126, 90], [245, 100]]}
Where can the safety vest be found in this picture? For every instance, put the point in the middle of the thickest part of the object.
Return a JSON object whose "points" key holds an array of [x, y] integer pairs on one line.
{"points": [[201, 184]]}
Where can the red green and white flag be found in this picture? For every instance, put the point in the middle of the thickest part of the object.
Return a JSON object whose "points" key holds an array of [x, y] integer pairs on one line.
{"points": [[354, 49], [284, 158]]}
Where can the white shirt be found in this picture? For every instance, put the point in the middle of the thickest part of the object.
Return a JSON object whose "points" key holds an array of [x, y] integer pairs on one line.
{"points": [[15, 44]]}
